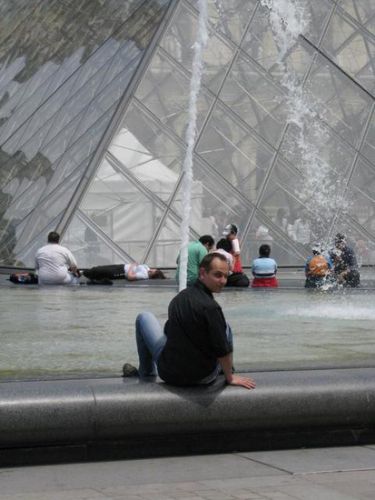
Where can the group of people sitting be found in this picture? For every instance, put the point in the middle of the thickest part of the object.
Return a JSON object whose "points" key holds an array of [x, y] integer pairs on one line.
{"points": [[264, 268], [56, 264]]}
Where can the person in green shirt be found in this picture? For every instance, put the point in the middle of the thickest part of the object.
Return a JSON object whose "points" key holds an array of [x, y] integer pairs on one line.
{"points": [[196, 251]]}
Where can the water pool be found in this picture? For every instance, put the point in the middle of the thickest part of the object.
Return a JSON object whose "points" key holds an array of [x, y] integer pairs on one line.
{"points": [[84, 331]]}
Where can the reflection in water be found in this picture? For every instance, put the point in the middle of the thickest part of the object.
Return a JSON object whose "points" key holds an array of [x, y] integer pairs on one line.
{"points": [[58, 331]]}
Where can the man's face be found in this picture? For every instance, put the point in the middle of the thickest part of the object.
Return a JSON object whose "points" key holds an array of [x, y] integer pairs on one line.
{"points": [[215, 279]]}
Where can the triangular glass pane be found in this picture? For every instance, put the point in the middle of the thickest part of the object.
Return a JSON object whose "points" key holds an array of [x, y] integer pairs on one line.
{"points": [[255, 99], [179, 41], [122, 211], [346, 106], [165, 248], [213, 205], [282, 190], [165, 92], [235, 153], [229, 17], [146, 153]]}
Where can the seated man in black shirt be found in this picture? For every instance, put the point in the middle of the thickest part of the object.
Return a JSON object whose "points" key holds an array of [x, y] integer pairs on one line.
{"points": [[197, 342], [345, 262]]}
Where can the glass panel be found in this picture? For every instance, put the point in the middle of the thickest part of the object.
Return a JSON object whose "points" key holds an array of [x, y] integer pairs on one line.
{"points": [[79, 154], [122, 211], [346, 105], [214, 205], [165, 92], [363, 181], [47, 210], [235, 153], [88, 243], [361, 11], [282, 190], [262, 232], [368, 148], [317, 151], [10, 230], [260, 44], [13, 125], [318, 12], [361, 242], [147, 153], [351, 49], [166, 247], [25, 256], [255, 99], [179, 41], [229, 17], [24, 184], [54, 40]]}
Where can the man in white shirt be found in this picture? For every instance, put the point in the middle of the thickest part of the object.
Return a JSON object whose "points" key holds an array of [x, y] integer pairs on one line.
{"points": [[56, 264]]}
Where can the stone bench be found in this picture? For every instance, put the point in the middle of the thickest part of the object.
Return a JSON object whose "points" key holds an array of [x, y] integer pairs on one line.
{"points": [[88, 419]]}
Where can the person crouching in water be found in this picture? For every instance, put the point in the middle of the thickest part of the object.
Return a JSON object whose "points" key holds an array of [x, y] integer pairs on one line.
{"points": [[318, 269], [264, 269]]}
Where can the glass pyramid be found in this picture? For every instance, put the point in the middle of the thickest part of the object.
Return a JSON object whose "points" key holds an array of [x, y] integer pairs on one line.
{"points": [[94, 110]]}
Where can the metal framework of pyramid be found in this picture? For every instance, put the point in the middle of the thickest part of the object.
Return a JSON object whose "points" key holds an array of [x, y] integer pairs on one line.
{"points": [[93, 113]]}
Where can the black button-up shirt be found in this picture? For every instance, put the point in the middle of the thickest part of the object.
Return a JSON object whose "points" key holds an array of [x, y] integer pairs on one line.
{"points": [[196, 337]]}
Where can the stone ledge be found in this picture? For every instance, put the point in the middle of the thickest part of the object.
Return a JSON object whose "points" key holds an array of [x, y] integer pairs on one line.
{"points": [[117, 417]]}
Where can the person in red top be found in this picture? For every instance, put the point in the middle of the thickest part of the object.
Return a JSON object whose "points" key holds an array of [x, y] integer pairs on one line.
{"points": [[230, 232]]}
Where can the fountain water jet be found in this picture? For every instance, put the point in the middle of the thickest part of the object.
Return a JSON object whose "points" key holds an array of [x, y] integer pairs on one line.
{"points": [[191, 132], [322, 190]]}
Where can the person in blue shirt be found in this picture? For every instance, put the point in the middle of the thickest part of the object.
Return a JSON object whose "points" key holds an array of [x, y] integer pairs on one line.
{"points": [[264, 269]]}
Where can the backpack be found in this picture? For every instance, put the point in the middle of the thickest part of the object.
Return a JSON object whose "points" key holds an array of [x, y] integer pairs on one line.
{"points": [[238, 279], [318, 266], [24, 278]]}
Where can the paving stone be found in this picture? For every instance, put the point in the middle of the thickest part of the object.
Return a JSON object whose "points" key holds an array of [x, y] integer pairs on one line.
{"points": [[317, 459], [83, 494]]}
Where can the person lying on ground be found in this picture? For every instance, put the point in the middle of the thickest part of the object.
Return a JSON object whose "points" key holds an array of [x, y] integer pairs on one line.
{"points": [[130, 272]]}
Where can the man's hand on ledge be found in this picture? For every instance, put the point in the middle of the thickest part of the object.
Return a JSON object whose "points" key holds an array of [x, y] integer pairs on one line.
{"points": [[246, 382]]}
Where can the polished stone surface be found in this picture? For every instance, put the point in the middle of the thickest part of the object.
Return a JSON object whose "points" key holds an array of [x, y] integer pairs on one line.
{"points": [[67, 420]]}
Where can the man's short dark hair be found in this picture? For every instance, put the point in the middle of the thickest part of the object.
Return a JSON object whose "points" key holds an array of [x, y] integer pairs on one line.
{"points": [[340, 237], [207, 260], [264, 250], [53, 237], [224, 244], [206, 239]]}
